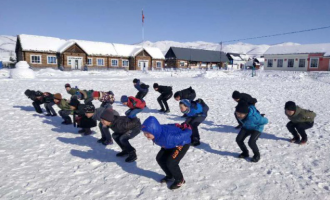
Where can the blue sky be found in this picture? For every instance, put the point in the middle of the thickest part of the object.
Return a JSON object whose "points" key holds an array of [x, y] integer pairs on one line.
{"points": [[119, 21]]}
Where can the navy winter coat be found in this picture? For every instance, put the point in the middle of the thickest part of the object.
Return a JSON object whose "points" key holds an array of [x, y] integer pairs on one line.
{"points": [[141, 87]]}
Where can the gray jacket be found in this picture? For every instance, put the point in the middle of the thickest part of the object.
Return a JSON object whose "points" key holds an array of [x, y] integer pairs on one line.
{"points": [[98, 112]]}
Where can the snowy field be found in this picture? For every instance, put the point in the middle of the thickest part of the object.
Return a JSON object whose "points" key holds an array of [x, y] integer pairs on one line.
{"points": [[41, 159]]}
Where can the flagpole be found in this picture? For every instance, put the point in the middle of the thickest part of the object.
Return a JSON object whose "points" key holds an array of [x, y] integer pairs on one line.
{"points": [[142, 26]]}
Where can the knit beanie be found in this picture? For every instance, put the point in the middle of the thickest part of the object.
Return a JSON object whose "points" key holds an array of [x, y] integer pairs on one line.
{"points": [[242, 108], [89, 109], [156, 85], [58, 96], [108, 115], [96, 94], [236, 95], [27, 92], [74, 102], [124, 99], [135, 80], [67, 85], [290, 105], [177, 94]]}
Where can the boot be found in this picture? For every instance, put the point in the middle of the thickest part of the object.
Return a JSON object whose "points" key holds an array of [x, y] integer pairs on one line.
{"points": [[195, 141], [167, 111], [161, 110], [243, 155], [107, 142], [122, 154], [295, 140], [177, 184], [100, 140], [48, 114], [81, 131], [131, 157], [166, 179], [88, 131], [255, 158]]}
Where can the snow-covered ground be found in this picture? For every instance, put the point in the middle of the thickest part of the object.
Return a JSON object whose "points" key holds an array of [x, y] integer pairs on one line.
{"points": [[41, 159]]}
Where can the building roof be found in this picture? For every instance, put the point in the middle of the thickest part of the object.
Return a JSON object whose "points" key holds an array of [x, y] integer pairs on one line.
{"points": [[57, 45], [199, 55], [299, 49], [235, 56]]}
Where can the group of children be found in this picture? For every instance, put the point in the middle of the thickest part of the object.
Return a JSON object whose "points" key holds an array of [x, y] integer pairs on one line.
{"points": [[174, 139]]}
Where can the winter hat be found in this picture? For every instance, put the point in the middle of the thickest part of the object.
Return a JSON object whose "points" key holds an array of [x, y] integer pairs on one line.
{"points": [[96, 94], [136, 80], [108, 115], [89, 109], [58, 96], [156, 85], [27, 92], [124, 99], [236, 95], [242, 108], [290, 105], [67, 85], [177, 94], [74, 102], [185, 102]]}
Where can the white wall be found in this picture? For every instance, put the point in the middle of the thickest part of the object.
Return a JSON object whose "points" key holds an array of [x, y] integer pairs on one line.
{"points": [[285, 63]]}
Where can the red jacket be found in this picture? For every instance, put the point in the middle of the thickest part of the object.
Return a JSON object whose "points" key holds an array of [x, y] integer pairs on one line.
{"points": [[135, 103]]}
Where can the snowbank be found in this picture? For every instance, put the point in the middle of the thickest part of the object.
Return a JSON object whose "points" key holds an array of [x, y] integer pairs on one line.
{"points": [[22, 71], [4, 73]]}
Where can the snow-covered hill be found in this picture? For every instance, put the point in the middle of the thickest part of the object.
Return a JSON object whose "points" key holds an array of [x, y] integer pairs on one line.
{"points": [[243, 48], [7, 47]]}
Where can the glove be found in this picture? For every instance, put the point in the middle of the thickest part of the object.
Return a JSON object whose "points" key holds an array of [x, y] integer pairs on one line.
{"points": [[183, 126], [78, 119]]}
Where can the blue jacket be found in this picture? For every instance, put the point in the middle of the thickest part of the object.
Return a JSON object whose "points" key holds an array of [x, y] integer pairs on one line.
{"points": [[254, 121], [167, 136], [138, 87]]}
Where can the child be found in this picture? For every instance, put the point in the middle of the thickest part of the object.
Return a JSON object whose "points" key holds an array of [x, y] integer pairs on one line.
{"points": [[252, 124], [174, 143], [135, 105], [106, 138], [300, 120], [196, 112], [124, 129], [107, 98], [142, 88], [80, 117], [165, 94], [65, 111], [33, 95], [188, 93], [86, 95], [71, 91], [242, 97]]}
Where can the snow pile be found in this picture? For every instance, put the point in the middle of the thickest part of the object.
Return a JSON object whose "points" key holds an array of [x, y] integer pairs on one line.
{"points": [[216, 74], [22, 71]]}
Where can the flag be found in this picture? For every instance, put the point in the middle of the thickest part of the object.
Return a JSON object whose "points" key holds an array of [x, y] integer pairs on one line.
{"points": [[142, 17]]}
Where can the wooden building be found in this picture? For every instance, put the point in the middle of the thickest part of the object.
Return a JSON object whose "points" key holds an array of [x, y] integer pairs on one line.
{"points": [[41, 51]]}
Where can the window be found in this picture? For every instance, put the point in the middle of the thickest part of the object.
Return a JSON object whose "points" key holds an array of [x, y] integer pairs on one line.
{"points": [[314, 62], [125, 63], [182, 63], [302, 62], [280, 63], [290, 62], [51, 60], [114, 63], [158, 64], [89, 61], [35, 59], [270, 63], [100, 62], [69, 61]]}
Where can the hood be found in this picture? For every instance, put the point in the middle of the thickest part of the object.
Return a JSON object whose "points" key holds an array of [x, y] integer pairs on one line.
{"points": [[152, 126], [186, 102]]}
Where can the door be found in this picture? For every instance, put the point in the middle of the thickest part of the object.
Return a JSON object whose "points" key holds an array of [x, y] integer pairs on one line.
{"points": [[143, 64]]}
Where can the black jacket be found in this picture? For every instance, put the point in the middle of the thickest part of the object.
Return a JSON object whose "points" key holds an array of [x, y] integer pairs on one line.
{"points": [[186, 93], [123, 124], [164, 89], [247, 99]]}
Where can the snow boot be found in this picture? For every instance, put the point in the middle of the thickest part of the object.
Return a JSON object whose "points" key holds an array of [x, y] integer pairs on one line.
{"points": [[243, 155], [195, 143], [166, 179], [161, 110], [295, 140], [302, 142], [107, 142], [81, 131], [88, 131], [167, 111], [100, 140], [255, 158], [122, 154], [177, 184], [131, 157]]}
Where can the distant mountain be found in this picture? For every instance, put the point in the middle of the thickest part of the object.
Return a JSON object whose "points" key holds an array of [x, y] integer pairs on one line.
{"points": [[242, 48], [7, 47]]}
